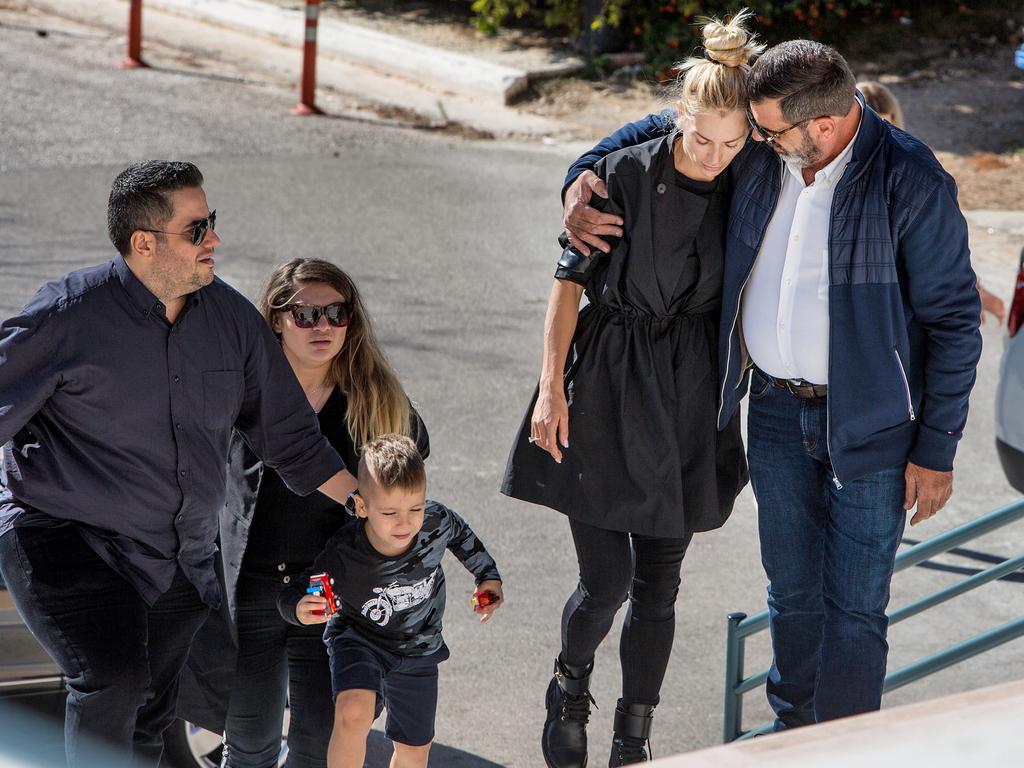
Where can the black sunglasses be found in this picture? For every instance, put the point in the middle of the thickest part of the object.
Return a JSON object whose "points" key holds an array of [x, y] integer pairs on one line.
{"points": [[308, 315], [198, 231]]}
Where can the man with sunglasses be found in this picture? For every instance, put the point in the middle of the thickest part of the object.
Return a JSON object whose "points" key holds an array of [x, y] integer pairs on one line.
{"points": [[849, 308], [120, 386]]}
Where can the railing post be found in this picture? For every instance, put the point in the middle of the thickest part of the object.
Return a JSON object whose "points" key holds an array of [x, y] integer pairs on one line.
{"points": [[134, 58], [733, 710], [307, 101]]}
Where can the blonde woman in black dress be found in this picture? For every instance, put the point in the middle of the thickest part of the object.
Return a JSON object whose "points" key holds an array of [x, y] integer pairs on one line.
{"points": [[621, 436]]}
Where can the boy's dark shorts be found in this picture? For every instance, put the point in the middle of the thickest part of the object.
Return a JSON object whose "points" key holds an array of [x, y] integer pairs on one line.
{"points": [[406, 685]]}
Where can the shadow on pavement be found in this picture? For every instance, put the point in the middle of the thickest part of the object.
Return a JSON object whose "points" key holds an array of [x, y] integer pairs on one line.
{"points": [[969, 554], [378, 755]]}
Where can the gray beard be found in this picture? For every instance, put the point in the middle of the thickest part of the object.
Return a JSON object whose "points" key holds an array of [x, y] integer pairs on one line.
{"points": [[806, 155]]}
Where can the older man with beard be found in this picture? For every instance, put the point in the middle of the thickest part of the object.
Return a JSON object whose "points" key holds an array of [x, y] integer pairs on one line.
{"points": [[850, 311]]}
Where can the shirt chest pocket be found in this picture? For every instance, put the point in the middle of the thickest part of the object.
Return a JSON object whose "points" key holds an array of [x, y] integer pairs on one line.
{"points": [[222, 398]]}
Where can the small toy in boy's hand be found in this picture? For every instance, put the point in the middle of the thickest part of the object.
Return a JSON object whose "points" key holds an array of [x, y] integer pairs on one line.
{"points": [[483, 598], [320, 585]]}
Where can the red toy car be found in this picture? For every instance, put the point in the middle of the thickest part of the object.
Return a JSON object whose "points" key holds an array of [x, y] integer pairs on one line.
{"points": [[320, 584], [482, 599]]}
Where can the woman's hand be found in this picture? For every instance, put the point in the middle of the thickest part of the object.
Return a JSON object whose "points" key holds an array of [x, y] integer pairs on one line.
{"points": [[549, 427], [310, 610]]}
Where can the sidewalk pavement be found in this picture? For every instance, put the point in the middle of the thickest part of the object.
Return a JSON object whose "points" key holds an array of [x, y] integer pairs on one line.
{"points": [[978, 728], [443, 86]]}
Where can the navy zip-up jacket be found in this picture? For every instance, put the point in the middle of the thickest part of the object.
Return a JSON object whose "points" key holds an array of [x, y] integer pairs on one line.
{"points": [[903, 304]]}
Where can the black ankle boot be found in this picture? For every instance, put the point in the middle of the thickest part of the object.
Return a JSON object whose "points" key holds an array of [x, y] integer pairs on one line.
{"points": [[631, 740], [568, 701]]}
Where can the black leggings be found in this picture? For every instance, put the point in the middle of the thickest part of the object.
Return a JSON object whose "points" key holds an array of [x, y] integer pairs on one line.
{"points": [[615, 565]]}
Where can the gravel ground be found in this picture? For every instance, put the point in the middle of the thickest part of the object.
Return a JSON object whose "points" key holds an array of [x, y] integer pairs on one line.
{"points": [[968, 108]]}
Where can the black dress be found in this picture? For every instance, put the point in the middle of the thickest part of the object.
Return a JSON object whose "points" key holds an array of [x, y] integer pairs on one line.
{"points": [[641, 377]]}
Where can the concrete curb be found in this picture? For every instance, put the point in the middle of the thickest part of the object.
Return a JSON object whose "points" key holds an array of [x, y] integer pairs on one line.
{"points": [[435, 67], [279, 58]]}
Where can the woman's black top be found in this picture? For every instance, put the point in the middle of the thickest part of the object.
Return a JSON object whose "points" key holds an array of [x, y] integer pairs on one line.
{"points": [[642, 377], [289, 530]]}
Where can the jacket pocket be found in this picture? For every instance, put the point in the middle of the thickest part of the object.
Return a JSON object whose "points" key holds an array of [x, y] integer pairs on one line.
{"points": [[222, 396], [906, 385]]}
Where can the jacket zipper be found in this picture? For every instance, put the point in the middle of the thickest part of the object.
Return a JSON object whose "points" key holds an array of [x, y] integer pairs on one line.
{"points": [[828, 375], [831, 346], [739, 302], [906, 385]]}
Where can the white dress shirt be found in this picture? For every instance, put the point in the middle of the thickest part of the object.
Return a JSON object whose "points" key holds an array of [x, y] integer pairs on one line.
{"points": [[785, 303]]}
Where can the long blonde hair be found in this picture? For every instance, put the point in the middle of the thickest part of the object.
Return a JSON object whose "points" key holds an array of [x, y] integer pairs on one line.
{"points": [[717, 81], [882, 100], [377, 403]]}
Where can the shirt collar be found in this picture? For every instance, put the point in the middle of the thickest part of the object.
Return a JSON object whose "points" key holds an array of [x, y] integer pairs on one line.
{"points": [[140, 295], [832, 172]]}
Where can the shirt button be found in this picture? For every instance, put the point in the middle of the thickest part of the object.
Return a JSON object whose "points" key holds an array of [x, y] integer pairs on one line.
{"points": [[179, 518], [286, 579], [181, 472], [788, 281], [281, 566], [661, 189], [177, 379], [178, 425]]}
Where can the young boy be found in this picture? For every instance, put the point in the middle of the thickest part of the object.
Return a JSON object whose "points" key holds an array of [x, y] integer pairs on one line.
{"points": [[385, 640]]}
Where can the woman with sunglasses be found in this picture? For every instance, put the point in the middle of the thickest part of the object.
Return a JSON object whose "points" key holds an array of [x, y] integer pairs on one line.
{"points": [[269, 535]]}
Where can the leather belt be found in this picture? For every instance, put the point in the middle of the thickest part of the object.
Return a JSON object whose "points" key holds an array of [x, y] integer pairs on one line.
{"points": [[802, 389]]}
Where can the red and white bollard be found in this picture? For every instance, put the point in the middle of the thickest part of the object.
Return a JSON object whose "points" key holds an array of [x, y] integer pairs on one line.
{"points": [[134, 58], [307, 101]]}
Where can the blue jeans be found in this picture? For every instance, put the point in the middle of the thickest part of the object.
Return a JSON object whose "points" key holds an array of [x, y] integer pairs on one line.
{"points": [[829, 555], [277, 660]]}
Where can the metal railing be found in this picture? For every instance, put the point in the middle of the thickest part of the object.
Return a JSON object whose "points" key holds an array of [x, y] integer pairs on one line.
{"points": [[741, 626]]}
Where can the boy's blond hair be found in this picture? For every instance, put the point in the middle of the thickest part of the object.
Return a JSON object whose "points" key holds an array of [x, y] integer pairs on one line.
{"points": [[392, 461]]}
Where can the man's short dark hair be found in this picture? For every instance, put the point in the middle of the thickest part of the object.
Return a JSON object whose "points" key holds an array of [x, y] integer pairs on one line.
{"points": [[808, 78], [140, 198]]}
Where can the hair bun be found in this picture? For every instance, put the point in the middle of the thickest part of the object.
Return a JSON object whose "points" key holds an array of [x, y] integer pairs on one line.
{"points": [[729, 44]]}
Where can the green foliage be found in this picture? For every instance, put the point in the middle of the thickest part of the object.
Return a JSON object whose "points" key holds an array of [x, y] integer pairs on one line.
{"points": [[491, 15], [668, 30]]}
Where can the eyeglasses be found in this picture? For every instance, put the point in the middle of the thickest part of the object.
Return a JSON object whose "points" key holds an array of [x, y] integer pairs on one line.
{"points": [[308, 315], [198, 231], [770, 137]]}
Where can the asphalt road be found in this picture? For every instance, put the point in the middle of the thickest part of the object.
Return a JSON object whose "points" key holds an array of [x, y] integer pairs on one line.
{"points": [[453, 245]]}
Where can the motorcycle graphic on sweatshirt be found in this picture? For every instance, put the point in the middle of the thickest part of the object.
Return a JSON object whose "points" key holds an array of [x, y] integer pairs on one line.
{"points": [[395, 597]]}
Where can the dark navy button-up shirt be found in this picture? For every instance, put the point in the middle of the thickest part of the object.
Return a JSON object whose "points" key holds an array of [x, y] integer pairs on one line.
{"points": [[119, 421]]}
